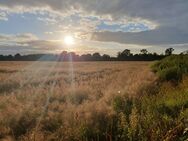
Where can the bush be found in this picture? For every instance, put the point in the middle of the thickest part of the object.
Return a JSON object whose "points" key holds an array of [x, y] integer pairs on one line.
{"points": [[123, 104], [171, 68]]}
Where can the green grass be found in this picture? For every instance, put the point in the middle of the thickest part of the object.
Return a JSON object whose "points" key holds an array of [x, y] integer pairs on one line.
{"points": [[159, 114], [172, 67]]}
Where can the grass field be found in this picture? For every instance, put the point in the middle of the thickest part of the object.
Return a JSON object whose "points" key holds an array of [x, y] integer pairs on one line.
{"points": [[90, 101]]}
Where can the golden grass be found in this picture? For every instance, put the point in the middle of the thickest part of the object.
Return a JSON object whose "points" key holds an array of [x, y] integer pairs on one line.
{"points": [[74, 94]]}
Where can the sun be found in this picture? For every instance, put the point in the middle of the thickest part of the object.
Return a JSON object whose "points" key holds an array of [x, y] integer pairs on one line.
{"points": [[69, 40]]}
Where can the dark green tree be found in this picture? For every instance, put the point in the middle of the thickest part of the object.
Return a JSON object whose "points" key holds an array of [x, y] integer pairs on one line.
{"points": [[126, 52], [144, 51], [169, 51]]}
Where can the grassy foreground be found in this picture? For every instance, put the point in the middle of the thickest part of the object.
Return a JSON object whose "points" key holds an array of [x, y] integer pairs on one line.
{"points": [[112, 101]]}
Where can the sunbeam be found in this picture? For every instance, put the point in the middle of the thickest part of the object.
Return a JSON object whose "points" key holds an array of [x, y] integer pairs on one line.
{"points": [[71, 73]]}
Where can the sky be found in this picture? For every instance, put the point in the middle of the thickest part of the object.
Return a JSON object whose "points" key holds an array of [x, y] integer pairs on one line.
{"points": [[104, 26]]}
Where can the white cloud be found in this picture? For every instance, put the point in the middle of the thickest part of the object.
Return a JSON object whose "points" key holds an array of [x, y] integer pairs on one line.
{"points": [[3, 16], [166, 19], [18, 38], [47, 20], [101, 9]]}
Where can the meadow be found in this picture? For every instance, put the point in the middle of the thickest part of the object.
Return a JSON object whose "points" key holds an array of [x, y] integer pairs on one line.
{"points": [[89, 101]]}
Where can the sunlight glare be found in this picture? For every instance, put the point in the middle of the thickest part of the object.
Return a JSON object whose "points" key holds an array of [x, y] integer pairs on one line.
{"points": [[69, 40]]}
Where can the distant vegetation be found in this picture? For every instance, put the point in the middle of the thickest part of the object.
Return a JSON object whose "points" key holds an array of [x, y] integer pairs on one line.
{"points": [[125, 55], [172, 67]]}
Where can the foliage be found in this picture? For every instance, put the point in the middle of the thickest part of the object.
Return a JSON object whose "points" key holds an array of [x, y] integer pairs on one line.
{"points": [[172, 67], [169, 51], [125, 55], [110, 102]]}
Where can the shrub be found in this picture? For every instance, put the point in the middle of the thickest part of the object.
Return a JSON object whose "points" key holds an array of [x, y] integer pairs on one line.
{"points": [[171, 68], [123, 104]]}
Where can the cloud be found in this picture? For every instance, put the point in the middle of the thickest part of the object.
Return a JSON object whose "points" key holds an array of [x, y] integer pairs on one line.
{"points": [[45, 44], [47, 20], [160, 36], [18, 38], [28, 40], [27, 43], [111, 11], [48, 32], [3, 16], [166, 19], [153, 10]]}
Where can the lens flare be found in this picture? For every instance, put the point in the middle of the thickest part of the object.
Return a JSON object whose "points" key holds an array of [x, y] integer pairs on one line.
{"points": [[69, 40]]}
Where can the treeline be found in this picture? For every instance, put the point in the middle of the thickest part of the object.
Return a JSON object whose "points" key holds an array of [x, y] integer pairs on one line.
{"points": [[125, 55]]}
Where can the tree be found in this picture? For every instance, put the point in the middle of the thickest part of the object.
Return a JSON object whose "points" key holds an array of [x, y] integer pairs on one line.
{"points": [[169, 51], [126, 52], [144, 51], [63, 56], [106, 57], [17, 56], [125, 55], [155, 54], [184, 52], [96, 56], [72, 56], [86, 57]]}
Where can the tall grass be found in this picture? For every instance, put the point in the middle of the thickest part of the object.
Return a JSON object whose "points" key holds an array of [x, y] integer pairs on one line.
{"points": [[112, 101]]}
